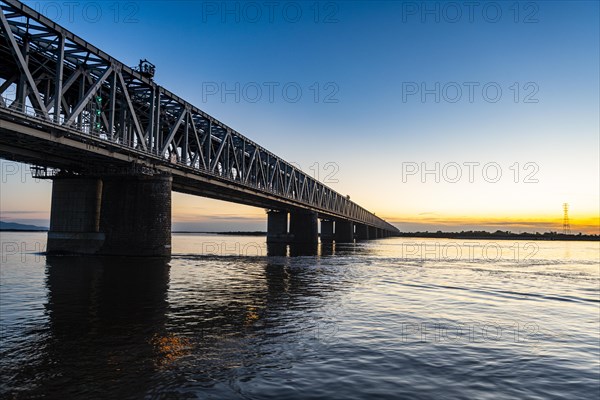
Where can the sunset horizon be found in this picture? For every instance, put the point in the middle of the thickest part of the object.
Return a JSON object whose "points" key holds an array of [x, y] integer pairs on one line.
{"points": [[194, 214]]}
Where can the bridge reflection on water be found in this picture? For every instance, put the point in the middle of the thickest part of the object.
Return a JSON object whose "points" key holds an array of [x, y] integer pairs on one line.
{"points": [[134, 326]]}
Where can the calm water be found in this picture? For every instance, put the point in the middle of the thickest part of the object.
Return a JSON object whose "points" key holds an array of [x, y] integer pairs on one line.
{"points": [[385, 319]]}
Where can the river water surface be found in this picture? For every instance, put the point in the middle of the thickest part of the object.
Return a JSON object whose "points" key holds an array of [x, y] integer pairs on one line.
{"points": [[226, 319]]}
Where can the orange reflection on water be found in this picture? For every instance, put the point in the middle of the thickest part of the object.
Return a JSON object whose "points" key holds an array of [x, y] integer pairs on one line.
{"points": [[169, 348], [251, 316]]}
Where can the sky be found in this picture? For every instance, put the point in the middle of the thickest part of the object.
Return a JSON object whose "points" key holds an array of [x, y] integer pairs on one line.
{"points": [[435, 116]]}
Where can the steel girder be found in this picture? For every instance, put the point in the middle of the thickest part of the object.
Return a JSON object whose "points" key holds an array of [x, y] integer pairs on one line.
{"points": [[61, 79]]}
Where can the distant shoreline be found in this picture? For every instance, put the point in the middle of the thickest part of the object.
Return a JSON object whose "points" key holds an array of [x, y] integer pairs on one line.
{"points": [[23, 230], [232, 233], [550, 236], [452, 235], [499, 235]]}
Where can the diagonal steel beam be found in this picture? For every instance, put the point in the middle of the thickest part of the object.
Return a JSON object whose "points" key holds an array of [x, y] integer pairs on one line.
{"points": [[199, 152], [236, 161], [87, 97], [262, 170], [7, 83], [59, 78], [220, 150], [173, 131], [66, 86], [208, 144], [22, 64], [136, 122], [251, 164], [102, 115]]}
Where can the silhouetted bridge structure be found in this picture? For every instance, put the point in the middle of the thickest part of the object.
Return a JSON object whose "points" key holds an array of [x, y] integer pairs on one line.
{"points": [[116, 144]]}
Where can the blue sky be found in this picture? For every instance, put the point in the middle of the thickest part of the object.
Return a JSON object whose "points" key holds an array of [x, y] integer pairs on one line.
{"points": [[362, 57]]}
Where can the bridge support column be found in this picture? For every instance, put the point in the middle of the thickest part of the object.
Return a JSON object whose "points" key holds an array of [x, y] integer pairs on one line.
{"points": [[75, 216], [136, 215], [327, 230], [124, 215], [362, 232], [277, 226], [372, 232], [344, 231], [304, 227]]}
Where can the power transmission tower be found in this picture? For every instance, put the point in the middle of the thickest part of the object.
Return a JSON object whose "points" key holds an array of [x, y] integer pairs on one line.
{"points": [[566, 224]]}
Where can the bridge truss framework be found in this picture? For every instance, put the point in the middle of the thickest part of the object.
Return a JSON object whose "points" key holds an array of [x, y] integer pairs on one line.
{"points": [[54, 82]]}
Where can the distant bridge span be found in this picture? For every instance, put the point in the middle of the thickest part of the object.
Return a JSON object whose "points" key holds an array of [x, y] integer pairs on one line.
{"points": [[117, 144]]}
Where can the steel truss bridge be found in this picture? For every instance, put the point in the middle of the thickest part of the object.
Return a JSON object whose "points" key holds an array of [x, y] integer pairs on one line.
{"points": [[66, 104]]}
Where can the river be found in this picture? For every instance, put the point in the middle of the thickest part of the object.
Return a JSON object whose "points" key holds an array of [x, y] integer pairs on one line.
{"points": [[227, 318]]}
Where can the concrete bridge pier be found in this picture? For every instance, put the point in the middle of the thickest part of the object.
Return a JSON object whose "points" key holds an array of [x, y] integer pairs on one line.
{"points": [[117, 215], [362, 232], [136, 215], [277, 226], [304, 227], [344, 231], [372, 232], [327, 235], [275, 249], [75, 216]]}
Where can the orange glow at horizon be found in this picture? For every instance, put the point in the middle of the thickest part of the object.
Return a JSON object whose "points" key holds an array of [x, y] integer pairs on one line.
{"points": [[587, 224], [190, 209]]}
